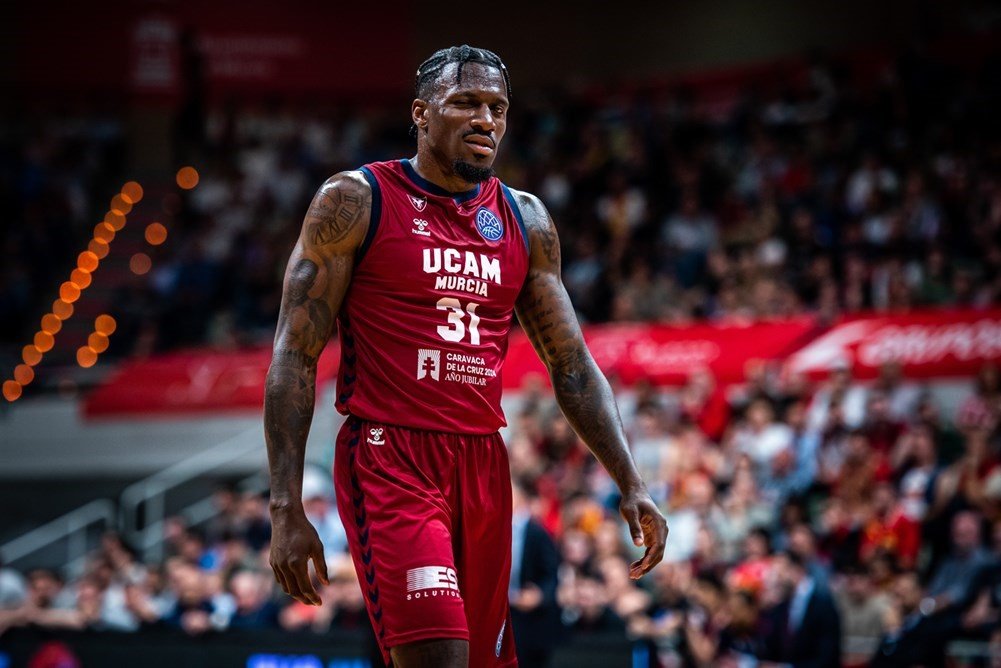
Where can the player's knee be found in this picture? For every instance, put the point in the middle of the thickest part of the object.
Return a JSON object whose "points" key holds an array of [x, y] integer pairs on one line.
{"points": [[437, 653]]}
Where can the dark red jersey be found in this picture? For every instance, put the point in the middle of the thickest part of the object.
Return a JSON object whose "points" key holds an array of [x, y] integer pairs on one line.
{"points": [[424, 325]]}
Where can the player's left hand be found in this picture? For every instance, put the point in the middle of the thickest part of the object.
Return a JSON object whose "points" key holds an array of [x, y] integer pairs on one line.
{"points": [[647, 527]]}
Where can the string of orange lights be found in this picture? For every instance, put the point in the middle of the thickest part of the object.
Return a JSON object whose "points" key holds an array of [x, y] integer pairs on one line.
{"points": [[80, 279], [70, 291], [97, 342]]}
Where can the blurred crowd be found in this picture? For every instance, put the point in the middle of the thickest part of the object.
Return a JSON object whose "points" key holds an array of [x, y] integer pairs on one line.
{"points": [[811, 525], [824, 189]]}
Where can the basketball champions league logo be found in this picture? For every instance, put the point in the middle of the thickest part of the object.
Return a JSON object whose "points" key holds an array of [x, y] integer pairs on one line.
{"points": [[488, 224]]}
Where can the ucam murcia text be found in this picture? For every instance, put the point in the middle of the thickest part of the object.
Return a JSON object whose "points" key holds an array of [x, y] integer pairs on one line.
{"points": [[476, 269]]}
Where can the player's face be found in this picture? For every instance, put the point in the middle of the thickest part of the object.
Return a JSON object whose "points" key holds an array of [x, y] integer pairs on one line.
{"points": [[464, 121]]}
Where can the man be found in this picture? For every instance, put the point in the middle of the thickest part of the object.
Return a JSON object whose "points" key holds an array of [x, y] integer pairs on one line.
{"points": [[951, 583], [424, 263], [863, 615], [535, 563], [805, 628], [912, 638]]}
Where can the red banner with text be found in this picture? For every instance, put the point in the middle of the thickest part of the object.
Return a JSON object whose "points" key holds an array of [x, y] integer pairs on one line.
{"points": [[666, 355], [206, 381], [192, 381], [927, 344]]}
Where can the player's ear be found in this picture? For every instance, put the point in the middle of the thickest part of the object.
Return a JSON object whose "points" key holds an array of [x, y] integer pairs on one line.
{"points": [[419, 113]]}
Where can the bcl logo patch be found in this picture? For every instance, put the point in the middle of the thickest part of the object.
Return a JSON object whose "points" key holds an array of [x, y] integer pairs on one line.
{"points": [[488, 224]]}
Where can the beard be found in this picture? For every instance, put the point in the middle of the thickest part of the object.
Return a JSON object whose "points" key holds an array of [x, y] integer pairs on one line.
{"points": [[470, 173]]}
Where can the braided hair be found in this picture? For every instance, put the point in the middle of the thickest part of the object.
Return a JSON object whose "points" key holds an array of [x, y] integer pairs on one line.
{"points": [[430, 69]]}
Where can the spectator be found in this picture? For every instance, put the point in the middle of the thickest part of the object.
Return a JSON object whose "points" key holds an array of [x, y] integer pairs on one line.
{"points": [[691, 234], [740, 639], [534, 574], [890, 529], [768, 444], [908, 640], [705, 620], [805, 627], [952, 580], [863, 616], [13, 588], [253, 609], [588, 610], [194, 611], [321, 511], [982, 409]]}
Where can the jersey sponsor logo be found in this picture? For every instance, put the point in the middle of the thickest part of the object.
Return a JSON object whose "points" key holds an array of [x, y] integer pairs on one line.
{"points": [[420, 227], [488, 224], [418, 202], [428, 363], [468, 369], [468, 263], [431, 581], [375, 436]]}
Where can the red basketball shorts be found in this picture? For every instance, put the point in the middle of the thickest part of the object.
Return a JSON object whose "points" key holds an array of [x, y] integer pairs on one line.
{"points": [[428, 519]]}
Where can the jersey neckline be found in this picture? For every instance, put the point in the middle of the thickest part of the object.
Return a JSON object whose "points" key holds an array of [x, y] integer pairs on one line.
{"points": [[433, 189]]}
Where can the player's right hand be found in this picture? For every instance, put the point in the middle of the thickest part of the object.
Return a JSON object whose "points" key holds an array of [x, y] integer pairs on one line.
{"points": [[294, 542]]}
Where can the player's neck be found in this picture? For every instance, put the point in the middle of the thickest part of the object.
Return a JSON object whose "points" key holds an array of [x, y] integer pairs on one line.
{"points": [[430, 170]]}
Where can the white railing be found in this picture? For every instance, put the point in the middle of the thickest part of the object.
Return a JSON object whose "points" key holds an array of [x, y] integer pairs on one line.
{"points": [[144, 530], [72, 527], [195, 514]]}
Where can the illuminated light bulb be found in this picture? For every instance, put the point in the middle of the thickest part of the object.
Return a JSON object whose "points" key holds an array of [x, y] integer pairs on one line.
{"points": [[51, 324], [86, 357], [44, 341], [116, 219], [69, 292], [104, 232], [87, 261], [140, 264], [80, 278], [11, 390], [156, 234], [120, 204], [133, 192], [187, 177], [98, 248], [31, 355], [105, 324], [98, 342], [62, 310], [24, 374]]}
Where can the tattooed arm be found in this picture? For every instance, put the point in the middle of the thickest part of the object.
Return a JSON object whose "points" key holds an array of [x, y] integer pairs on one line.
{"points": [[316, 280], [583, 394]]}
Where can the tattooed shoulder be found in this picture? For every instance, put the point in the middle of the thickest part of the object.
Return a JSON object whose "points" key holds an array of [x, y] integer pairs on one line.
{"points": [[539, 225], [341, 207]]}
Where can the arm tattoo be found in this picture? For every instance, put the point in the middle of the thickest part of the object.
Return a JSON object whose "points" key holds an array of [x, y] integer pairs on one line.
{"points": [[310, 317], [334, 213], [315, 284], [582, 392]]}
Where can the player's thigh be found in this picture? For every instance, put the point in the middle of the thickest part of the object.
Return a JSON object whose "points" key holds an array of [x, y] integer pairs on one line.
{"points": [[399, 530], [484, 555], [435, 653]]}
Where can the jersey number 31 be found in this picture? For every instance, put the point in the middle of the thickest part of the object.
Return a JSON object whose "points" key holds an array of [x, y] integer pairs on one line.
{"points": [[456, 329]]}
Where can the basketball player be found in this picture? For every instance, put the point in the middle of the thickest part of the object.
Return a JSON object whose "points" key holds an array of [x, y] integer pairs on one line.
{"points": [[423, 263]]}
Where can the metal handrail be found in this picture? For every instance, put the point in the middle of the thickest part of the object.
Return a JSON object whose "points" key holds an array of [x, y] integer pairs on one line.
{"points": [[197, 513], [71, 527], [152, 491]]}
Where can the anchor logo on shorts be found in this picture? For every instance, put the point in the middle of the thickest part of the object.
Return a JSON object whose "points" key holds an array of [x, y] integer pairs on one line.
{"points": [[375, 436]]}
